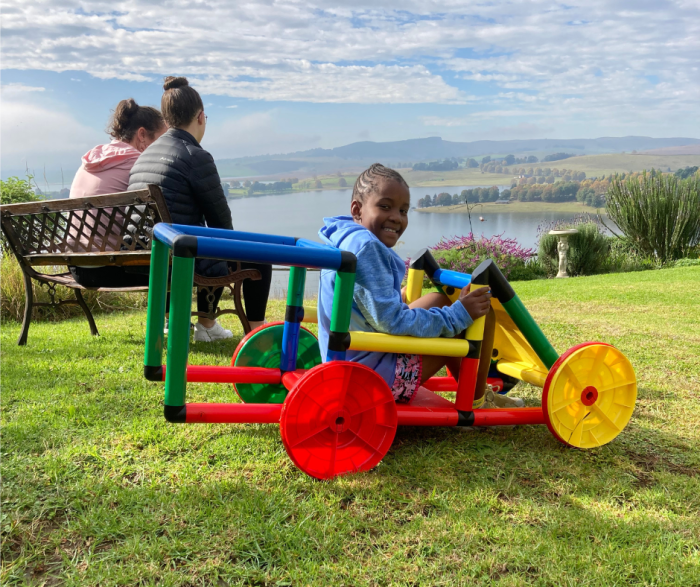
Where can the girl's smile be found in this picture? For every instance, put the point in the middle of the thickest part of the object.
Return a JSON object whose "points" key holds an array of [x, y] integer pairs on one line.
{"points": [[384, 212]]}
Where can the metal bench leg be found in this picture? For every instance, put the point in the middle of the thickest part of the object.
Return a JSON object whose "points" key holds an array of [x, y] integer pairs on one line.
{"points": [[86, 310], [239, 307], [28, 307]]}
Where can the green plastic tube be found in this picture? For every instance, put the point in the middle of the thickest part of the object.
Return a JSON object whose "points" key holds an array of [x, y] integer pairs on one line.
{"points": [[179, 330], [342, 301], [531, 331], [155, 317], [297, 283]]}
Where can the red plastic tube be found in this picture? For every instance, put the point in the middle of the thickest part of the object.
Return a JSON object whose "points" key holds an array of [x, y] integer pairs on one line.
{"points": [[211, 374], [233, 413], [441, 384], [450, 384], [466, 385], [419, 416], [290, 378], [502, 417]]}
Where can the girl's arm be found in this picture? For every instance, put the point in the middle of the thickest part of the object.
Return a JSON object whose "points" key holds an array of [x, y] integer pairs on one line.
{"points": [[383, 309]]}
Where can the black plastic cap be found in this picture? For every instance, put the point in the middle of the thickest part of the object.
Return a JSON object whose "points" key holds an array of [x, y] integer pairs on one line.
{"points": [[465, 418], [424, 261], [480, 275], [348, 262], [175, 414], [185, 245], [153, 373], [338, 341], [474, 349], [294, 314]]}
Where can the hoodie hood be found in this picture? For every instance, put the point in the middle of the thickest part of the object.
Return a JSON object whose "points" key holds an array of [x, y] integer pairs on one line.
{"points": [[344, 233], [339, 228], [114, 154]]}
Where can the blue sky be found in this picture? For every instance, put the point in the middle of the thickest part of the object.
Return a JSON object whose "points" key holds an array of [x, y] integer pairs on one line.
{"points": [[284, 76]]}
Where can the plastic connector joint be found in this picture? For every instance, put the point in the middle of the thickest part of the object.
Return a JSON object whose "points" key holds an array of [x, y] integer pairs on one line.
{"points": [[175, 414], [153, 373], [185, 245]]}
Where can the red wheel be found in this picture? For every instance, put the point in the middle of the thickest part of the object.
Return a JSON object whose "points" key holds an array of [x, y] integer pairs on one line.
{"points": [[339, 418]]}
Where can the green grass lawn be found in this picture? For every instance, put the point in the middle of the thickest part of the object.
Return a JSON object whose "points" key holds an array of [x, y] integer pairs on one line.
{"points": [[99, 490]]}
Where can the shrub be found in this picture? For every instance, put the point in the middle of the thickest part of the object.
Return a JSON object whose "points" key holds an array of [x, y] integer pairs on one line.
{"points": [[12, 295], [465, 253], [589, 249], [659, 213], [15, 191]]}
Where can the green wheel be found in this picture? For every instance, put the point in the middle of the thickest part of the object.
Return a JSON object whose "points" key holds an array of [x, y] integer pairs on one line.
{"points": [[263, 348]]}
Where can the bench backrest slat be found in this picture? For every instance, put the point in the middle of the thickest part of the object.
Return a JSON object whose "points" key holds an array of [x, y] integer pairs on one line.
{"points": [[96, 224]]}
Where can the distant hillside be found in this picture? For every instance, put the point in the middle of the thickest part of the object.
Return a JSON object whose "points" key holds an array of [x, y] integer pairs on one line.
{"points": [[683, 150], [357, 155]]}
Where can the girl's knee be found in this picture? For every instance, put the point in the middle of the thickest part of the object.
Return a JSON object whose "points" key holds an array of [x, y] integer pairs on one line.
{"points": [[431, 300]]}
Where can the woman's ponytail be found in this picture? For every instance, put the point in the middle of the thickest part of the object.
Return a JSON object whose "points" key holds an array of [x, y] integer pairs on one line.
{"points": [[128, 117]]}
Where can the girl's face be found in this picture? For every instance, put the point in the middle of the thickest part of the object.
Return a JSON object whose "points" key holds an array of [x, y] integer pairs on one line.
{"points": [[384, 212]]}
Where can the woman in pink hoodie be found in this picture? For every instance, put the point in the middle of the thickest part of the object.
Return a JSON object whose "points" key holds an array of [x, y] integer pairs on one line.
{"points": [[105, 170]]}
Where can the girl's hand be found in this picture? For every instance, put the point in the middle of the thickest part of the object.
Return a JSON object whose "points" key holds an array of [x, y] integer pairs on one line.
{"points": [[477, 302]]}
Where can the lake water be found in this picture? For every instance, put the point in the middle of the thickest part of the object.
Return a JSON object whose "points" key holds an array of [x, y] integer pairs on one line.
{"points": [[301, 214]]}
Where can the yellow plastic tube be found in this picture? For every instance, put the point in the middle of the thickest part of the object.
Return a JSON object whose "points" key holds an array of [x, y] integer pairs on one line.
{"points": [[476, 331], [523, 372], [385, 343], [310, 315], [414, 287]]}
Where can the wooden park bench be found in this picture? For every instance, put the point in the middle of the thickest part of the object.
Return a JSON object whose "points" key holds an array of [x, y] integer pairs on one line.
{"points": [[97, 231]]}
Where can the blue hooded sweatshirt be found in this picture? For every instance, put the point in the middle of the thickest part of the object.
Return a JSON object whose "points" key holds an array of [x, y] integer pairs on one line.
{"points": [[377, 305]]}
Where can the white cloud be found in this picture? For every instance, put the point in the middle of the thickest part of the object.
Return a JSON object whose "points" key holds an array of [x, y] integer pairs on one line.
{"points": [[35, 135], [254, 133], [551, 64], [15, 89]]}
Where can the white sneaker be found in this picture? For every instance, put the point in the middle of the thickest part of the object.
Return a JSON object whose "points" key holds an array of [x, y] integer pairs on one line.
{"points": [[216, 332], [496, 400], [167, 326]]}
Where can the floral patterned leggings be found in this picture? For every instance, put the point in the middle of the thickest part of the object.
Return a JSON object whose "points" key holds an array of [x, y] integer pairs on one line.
{"points": [[407, 377]]}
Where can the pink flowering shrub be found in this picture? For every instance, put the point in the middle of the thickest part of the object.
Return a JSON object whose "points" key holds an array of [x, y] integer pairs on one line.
{"points": [[465, 253]]}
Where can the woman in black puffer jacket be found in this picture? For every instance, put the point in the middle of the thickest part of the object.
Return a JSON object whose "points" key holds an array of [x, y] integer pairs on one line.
{"points": [[187, 175]]}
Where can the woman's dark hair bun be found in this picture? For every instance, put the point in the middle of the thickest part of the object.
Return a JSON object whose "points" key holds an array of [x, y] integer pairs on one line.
{"points": [[121, 119], [128, 117], [180, 102], [172, 82]]}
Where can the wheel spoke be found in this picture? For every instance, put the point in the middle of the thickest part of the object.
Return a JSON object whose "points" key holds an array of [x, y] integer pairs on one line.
{"points": [[578, 431], [604, 416], [347, 374], [375, 405], [334, 448], [310, 435], [573, 379], [565, 404], [598, 362], [366, 442], [597, 442]]}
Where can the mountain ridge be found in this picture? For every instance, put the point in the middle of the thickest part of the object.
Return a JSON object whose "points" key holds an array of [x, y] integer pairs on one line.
{"points": [[361, 153]]}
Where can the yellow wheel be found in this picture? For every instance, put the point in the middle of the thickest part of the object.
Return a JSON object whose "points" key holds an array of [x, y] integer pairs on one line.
{"points": [[589, 395]]}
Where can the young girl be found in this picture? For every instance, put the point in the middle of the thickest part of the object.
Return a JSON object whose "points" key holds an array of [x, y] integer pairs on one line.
{"points": [[379, 216]]}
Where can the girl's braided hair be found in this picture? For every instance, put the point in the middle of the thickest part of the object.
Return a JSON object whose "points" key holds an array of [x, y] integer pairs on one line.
{"points": [[370, 178]]}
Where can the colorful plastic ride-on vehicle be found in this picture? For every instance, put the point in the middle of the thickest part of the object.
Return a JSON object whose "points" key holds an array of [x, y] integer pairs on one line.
{"points": [[340, 417]]}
